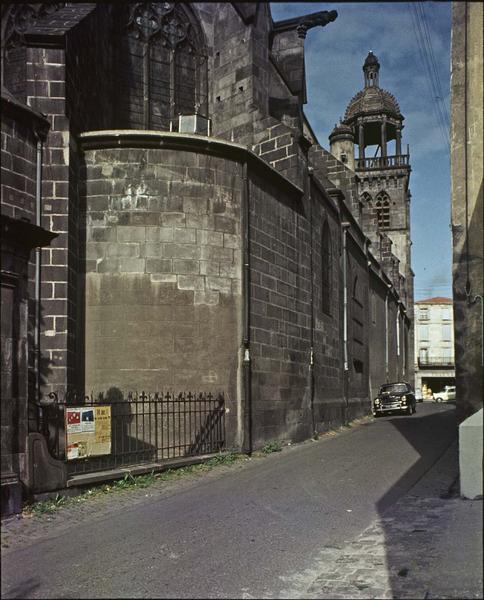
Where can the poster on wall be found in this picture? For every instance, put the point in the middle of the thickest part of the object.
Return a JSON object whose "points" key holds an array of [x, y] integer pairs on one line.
{"points": [[88, 431]]}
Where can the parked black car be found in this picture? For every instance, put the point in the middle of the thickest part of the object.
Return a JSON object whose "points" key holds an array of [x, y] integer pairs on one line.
{"points": [[395, 397]]}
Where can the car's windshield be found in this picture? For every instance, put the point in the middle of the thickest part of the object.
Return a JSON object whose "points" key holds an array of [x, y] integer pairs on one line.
{"points": [[393, 387]]}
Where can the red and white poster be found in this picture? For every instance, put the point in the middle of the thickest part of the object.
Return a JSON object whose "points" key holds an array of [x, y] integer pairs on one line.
{"points": [[88, 431], [73, 420]]}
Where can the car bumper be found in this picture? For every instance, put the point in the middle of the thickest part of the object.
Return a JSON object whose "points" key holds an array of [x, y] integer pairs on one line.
{"points": [[380, 410]]}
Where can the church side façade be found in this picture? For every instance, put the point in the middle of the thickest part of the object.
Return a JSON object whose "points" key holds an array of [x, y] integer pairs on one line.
{"points": [[203, 238]]}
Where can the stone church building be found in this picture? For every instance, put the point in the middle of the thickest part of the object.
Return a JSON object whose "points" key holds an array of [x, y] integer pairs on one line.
{"points": [[170, 220]]}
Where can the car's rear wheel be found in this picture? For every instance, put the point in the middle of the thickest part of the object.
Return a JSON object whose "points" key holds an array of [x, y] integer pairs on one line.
{"points": [[438, 399]]}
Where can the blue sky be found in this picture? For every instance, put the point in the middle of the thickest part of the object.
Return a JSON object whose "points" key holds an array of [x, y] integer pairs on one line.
{"points": [[334, 57]]}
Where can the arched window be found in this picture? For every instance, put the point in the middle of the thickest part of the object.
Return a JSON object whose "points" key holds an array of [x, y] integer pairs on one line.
{"points": [[164, 75], [366, 199], [382, 209], [326, 269]]}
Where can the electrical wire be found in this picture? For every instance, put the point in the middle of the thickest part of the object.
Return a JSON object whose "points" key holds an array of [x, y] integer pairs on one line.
{"points": [[441, 107], [427, 56], [435, 70]]}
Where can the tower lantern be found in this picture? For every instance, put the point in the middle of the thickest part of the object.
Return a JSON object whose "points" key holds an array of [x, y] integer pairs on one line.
{"points": [[371, 69]]}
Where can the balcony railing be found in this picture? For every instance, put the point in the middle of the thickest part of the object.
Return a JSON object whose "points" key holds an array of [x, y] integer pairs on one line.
{"points": [[435, 361], [383, 162]]}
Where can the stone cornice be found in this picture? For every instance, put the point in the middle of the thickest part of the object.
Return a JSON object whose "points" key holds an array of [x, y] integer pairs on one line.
{"points": [[19, 110], [24, 234], [302, 24], [131, 138]]}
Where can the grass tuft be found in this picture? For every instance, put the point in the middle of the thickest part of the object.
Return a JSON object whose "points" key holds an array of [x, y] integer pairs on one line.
{"points": [[273, 446]]}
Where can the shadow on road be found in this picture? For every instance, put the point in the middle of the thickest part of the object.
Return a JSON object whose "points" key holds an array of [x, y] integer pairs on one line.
{"points": [[25, 589], [411, 529]]}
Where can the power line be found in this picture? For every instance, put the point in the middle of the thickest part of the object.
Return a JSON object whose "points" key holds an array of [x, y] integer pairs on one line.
{"points": [[430, 54], [424, 43], [442, 105]]}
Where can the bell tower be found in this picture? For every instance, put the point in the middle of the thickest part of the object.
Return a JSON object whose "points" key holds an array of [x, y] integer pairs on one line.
{"points": [[383, 169]]}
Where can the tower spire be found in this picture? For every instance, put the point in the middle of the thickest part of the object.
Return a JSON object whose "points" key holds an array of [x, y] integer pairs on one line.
{"points": [[371, 69]]}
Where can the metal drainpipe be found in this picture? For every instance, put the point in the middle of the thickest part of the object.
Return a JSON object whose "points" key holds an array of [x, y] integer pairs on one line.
{"points": [[368, 317], [38, 262], [247, 443], [386, 333], [404, 354], [311, 270], [345, 226]]}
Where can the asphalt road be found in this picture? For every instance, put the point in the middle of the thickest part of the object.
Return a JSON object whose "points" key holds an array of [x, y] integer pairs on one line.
{"points": [[239, 533]]}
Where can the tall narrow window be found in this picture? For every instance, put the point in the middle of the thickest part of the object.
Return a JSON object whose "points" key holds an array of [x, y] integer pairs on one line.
{"points": [[356, 290], [164, 71], [423, 313], [357, 327], [382, 208], [326, 264]]}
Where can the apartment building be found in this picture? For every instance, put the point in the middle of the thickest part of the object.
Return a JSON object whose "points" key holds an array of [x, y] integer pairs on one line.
{"points": [[434, 345]]}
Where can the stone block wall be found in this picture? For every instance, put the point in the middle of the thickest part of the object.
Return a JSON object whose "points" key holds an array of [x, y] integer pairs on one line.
{"points": [[358, 304], [21, 127], [328, 338], [280, 315], [377, 334], [279, 146], [162, 271], [90, 94], [467, 202], [18, 167], [343, 178], [233, 76], [46, 93]]}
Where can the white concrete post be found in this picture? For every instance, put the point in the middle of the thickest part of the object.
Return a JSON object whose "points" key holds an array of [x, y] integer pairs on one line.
{"points": [[470, 456]]}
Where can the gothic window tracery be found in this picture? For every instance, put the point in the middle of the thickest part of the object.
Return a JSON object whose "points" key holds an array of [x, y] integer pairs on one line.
{"points": [[326, 273], [168, 63], [382, 209], [17, 19], [21, 17]]}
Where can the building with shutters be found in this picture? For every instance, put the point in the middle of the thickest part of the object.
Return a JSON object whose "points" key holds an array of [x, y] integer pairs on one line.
{"points": [[434, 345]]}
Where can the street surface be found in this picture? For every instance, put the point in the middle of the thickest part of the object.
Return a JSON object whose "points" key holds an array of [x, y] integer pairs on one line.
{"points": [[263, 527]]}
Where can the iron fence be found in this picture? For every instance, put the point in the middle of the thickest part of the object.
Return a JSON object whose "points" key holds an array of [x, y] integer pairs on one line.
{"points": [[144, 427]]}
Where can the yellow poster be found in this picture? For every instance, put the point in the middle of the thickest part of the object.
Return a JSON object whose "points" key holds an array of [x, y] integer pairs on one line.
{"points": [[88, 431]]}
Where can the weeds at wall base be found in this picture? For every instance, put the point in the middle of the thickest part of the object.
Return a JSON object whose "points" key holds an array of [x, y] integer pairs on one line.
{"points": [[130, 482]]}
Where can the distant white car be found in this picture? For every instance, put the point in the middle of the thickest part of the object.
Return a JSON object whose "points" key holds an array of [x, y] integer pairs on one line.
{"points": [[446, 395]]}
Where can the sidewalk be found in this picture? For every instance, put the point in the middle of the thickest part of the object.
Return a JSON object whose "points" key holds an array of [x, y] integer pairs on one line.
{"points": [[427, 545]]}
